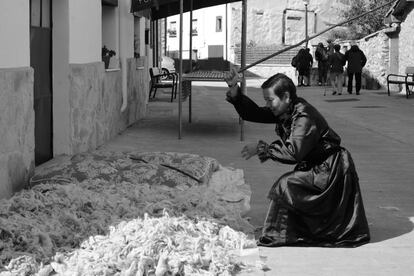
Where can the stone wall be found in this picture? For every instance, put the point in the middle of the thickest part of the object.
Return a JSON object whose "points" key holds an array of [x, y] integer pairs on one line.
{"points": [[16, 129], [406, 45], [267, 16], [376, 49], [86, 97], [96, 100], [138, 88]]}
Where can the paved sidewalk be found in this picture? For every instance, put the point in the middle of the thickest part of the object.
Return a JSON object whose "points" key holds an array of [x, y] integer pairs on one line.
{"points": [[378, 131]]}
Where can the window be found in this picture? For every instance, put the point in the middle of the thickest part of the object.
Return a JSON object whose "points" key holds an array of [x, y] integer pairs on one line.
{"points": [[259, 12], [40, 13], [194, 31], [110, 34], [219, 24], [172, 30]]}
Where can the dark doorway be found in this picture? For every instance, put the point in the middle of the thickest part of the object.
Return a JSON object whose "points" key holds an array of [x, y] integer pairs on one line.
{"points": [[41, 62]]}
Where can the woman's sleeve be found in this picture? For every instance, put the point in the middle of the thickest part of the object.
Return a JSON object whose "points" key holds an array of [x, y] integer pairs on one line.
{"points": [[250, 111], [303, 138]]}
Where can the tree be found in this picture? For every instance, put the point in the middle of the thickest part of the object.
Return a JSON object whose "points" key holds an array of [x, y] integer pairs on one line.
{"points": [[368, 24]]}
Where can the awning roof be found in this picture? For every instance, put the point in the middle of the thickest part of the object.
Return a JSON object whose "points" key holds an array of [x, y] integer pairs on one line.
{"points": [[399, 7], [113, 3], [398, 11], [165, 8]]}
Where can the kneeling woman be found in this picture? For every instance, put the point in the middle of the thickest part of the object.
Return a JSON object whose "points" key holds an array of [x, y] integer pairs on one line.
{"points": [[318, 203]]}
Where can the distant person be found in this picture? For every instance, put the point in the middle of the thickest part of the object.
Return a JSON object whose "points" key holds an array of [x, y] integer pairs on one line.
{"points": [[336, 62], [310, 66], [356, 61], [330, 47], [319, 202], [304, 62], [321, 56]]}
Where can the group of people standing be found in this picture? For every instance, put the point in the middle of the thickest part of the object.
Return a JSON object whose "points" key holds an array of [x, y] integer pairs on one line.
{"points": [[331, 64]]}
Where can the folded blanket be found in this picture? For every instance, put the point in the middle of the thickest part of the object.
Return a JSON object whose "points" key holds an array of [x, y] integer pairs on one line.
{"points": [[195, 166]]}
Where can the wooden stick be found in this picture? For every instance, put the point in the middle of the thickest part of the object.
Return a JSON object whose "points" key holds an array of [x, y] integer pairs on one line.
{"points": [[312, 37]]}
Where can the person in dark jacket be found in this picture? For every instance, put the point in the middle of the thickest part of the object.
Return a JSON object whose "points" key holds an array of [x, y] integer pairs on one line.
{"points": [[356, 61], [336, 62], [319, 203], [321, 56], [304, 61]]}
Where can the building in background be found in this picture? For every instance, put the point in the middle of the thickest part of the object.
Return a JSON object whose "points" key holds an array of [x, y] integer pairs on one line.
{"points": [[271, 25], [209, 32], [283, 22]]}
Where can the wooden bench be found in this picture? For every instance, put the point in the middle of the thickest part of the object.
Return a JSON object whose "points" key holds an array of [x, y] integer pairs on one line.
{"points": [[407, 80], [163, 80]]}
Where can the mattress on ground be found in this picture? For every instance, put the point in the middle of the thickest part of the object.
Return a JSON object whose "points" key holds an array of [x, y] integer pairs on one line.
{"points": [[170, 169]]}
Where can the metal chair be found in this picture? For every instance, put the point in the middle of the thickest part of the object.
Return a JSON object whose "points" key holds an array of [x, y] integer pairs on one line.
{"points": [[163, 80]]}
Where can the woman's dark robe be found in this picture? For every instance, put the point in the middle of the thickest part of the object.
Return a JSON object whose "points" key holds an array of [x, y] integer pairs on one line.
{"points": [[319, 203]]}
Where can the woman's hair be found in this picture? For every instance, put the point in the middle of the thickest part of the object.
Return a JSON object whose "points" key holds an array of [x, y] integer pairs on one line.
{"points": [[281, 83]]}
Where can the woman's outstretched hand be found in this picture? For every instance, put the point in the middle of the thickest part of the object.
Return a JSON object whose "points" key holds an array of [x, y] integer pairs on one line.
{"points": [[232, 78], [249, 150]]}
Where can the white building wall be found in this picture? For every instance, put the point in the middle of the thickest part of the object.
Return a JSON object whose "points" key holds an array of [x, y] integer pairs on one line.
{"points": [[14, 33], [126, 29], [126, 43], [206, 27], [85, 37]]}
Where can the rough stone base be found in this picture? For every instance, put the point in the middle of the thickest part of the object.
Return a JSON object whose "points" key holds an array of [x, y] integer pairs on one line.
{"points": [[96, 100], [16, 129], [138, 88]]}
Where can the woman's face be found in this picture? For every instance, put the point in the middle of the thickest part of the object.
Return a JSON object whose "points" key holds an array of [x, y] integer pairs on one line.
{"points": [[277, 105]]}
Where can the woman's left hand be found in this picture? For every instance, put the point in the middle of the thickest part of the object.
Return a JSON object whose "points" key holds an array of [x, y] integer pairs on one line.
{"points": [[232, 77], [249, 150]]}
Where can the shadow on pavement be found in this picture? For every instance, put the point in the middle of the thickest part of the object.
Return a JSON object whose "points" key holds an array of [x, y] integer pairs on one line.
{"points": [[389, 224]]}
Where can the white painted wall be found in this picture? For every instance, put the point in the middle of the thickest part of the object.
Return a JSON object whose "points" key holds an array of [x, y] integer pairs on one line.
{"points": [[61, 107], [126, 43], [14, 34], [85, 19], [139, 32], [126, 29]]}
